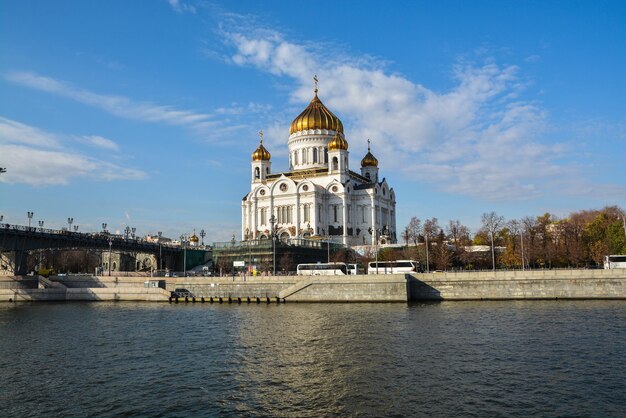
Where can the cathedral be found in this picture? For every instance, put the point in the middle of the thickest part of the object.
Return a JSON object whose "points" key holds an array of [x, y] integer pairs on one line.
{"points": [[319, 197]]}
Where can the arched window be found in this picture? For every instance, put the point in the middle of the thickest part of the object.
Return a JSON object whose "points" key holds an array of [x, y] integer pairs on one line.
{"points": [[267, 170], [114, 266], [326, 155], [314, 155], [257, 173], [368, 176], [335, 163]]}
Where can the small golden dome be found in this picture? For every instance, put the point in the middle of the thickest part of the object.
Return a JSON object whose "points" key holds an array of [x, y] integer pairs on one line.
{"points": [[316, 116], [338, 142], [194, 238], [369, 160], [261, 154]]}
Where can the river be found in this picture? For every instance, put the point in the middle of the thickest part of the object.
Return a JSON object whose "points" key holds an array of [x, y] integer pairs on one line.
{"points": [[547, 358]]}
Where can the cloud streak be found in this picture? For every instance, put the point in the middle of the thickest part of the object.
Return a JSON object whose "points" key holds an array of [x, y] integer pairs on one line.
{"points": [[116, 105], [479, 138], [39, 158]]}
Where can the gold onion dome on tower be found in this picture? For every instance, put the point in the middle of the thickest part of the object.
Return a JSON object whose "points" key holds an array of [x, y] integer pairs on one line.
{"points": [[316, 116], [369, 160], [194, 238], [261, 153], [338, 142]]}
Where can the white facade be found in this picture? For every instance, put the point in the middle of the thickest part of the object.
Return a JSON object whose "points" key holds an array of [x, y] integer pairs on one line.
{"points": [[319, 195]]}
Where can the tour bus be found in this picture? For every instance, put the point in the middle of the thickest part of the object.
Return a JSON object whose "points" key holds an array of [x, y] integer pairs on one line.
{"points": [[392, 267], [322, 269], [615, 262]]}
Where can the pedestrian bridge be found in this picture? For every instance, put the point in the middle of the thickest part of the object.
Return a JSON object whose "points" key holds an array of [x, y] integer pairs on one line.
{"points": [[18, 240]]}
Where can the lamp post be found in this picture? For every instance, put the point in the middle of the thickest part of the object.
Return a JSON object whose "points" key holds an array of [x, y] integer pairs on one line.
{"points": [[104, 227], [521, 235], [273, 235], [493, 253], [41, 225], [69, 224], [182, 242], [374, 233], [202, 235], [160, 253], [133, 229], [110, 245], [75, 228], [30, 216], [127, 232]]}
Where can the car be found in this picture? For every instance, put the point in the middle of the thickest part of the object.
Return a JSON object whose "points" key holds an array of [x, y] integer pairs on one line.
{"points": [[182, 293]]}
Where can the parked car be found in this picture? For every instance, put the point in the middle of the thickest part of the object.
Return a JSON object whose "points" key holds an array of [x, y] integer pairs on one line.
{"points": [[182, 293]]}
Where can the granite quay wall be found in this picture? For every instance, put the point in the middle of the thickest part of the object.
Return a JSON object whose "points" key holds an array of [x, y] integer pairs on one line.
{"points": [[536, 284], [542, 284]]}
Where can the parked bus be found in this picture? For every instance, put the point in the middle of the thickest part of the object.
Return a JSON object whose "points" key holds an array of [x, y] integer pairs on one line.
{"points": [[322, 269], [615, 262], [392, 267]]}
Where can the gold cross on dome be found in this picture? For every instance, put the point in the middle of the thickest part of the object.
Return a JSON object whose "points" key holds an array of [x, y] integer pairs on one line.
{"points": [[315, 80], [368, 144], [261, 135]]}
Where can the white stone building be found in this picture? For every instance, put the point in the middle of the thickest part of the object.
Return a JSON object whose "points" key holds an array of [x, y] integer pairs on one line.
{"points": [[319, 196]]}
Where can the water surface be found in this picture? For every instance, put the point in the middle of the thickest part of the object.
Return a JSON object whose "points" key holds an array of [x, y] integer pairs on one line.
{"points": [[451, 358]]}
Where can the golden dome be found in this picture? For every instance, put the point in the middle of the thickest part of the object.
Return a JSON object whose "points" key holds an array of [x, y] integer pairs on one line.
{"points": [[369, 160], [316, 116], [261, 154], [194, 238], [338, 142]]}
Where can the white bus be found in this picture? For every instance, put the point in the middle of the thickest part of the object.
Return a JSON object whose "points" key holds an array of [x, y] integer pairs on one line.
{"points": [[615, 262], [322, 269], [392, 267]]}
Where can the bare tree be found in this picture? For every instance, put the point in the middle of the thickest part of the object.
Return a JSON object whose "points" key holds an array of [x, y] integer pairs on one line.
{"points": [[492, 223], [414, 229], [431, 230]]}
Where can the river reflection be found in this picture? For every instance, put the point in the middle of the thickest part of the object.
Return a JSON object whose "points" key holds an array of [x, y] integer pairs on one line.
{"points": [[451, 358]]}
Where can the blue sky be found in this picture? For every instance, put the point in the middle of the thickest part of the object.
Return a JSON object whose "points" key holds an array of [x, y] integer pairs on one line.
{"points": [[146, 113]]}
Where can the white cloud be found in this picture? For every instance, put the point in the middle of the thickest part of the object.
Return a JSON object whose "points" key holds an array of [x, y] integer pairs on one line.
{"points": [[100, 142], [478, 138], [117, 105], [33, 156], [181, 7]]}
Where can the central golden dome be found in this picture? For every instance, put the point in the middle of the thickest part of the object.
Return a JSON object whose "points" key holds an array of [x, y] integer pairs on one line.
{"points": [[316, 116]]}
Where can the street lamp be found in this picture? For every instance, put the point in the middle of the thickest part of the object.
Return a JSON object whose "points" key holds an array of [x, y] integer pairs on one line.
{"points": [[183, 242], [374, 233], [75, 228], [127, 232], [521, 238], [273, 235], [41, 225], [133, 229], [30, 216], [493, 253], [160, 253], [202, 235], [69, 223], [104, 227], [110, 245]]}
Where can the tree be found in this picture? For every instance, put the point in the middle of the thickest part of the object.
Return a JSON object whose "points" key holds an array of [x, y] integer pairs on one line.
{"points": [[458, 235], [492, 223], [431, 230]]}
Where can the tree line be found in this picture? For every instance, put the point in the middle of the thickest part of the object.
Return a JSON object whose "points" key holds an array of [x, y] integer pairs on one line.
{"points": [[581, 239]]}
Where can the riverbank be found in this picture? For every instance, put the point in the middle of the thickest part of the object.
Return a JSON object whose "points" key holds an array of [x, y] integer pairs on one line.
{"points": [[514, 285]]}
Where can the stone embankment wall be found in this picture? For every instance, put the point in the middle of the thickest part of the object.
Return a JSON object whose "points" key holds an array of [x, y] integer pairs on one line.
{"points": [[536, 284], [544, 284]]}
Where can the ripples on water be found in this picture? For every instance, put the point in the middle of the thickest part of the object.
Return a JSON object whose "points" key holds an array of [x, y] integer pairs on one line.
{"points": [[550, 358]]}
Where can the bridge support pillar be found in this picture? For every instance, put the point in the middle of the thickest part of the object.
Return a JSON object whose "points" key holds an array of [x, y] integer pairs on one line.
{"points": [[13, 263]]}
